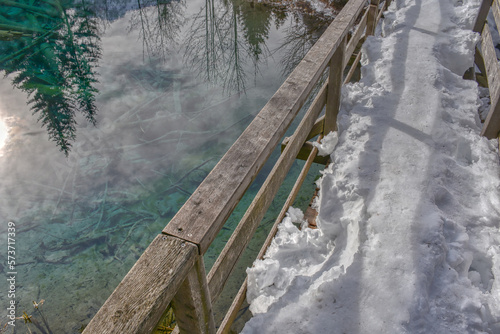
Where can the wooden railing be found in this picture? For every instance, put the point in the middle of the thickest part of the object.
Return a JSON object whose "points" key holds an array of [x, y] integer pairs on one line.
{"points": [[171, 268], [487, 64]]}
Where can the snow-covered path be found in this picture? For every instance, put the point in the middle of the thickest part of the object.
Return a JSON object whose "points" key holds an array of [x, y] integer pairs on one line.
{"points": [[409, 212]]}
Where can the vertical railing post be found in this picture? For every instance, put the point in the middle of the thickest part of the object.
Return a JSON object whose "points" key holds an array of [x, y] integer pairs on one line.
{"points": [[481, 16], [491, 127], [470, 74], [192, 304], [335, 80], [371, 22]]}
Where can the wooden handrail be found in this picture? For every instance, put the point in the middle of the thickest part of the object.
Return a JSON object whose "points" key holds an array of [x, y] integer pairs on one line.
{"points": [[171, 269], [487, 62], [192, 304], [205, 212], [143, 295], [248, 224]]}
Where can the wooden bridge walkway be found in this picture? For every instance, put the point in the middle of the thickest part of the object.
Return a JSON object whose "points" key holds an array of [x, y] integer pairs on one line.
{"points": [[171, 270]]}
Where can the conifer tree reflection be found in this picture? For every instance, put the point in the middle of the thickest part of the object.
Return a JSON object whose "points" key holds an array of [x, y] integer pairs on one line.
{"points": [[52, 51], [256, 24]]}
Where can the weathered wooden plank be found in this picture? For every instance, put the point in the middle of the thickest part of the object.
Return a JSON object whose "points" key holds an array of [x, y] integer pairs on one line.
{"points": [[240, 297], [372, 17], [317, 128], [318, 103], [379, 16], [243, 233], [471, 73], [227, 322], [289, 201], [356, 37], [482, 15], [358, 56], [481, 80], [491, 126], [335, 80], [192, 304], [352, 69], [140, 299], [495, 8], [479, 61], [304, 152], [205, 212]]}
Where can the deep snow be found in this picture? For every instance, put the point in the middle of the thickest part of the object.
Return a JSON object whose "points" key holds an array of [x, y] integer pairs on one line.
{"points": [[408, 234]]}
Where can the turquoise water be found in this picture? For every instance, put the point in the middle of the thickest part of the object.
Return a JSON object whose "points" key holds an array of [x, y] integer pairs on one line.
{"points": [[170, 86]]}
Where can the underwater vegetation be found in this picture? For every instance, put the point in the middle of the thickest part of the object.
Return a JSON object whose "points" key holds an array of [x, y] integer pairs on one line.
{"points": [[51, 49], [167, 322], [32, 321]]}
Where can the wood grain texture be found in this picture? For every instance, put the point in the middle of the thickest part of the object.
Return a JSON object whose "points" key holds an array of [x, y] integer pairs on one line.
{"points": [[482, 15], [317, 128], [371, 22], [227, 322], [205, 212], [289, 201], [355, 39], [381, 12], [479, 61], [491, 126], [240, 297], [171, 268], [353, 68], [305, 151], [243, 233], [495, 8], [192, 304], [140, 299], [335, 80]]}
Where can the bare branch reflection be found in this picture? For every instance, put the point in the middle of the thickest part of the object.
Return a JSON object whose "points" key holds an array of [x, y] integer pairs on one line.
{"points": [[225, 38], [159, 23], [300, 37]]}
